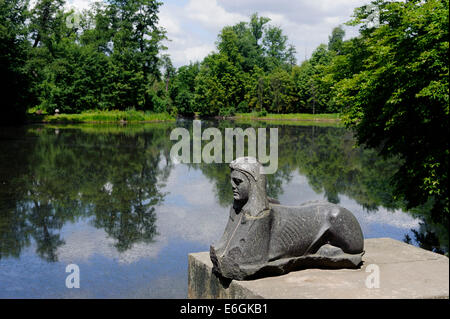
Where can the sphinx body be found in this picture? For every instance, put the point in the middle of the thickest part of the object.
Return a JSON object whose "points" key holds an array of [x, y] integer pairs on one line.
{"points": [[264, 239]]}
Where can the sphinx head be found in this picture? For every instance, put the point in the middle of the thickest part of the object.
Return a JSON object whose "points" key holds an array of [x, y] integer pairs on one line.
{"points": [[240, 184], [249, 185]]}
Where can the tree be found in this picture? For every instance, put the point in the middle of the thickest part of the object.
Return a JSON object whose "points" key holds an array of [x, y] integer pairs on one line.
{"points": [[14, 51], [312, 82], [45, 18], [281, 92], [275, 44], [301, 76], [169, 70], [136, 44], [336, 39], [291, 60], [136, 32], [248, 47], [257, 27], [183, 87], [250, 71], [399, 101], [219, 85]]}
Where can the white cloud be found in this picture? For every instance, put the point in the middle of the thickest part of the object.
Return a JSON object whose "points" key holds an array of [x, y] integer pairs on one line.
{"points": [[193, 53], [395, 218], [201, 225], [199, 218], [182, 52], [211, 15], [86, 241], [169, 20]]}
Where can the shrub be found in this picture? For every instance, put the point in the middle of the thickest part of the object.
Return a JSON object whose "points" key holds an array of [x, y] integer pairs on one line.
{"points": [[262, 113], [228, 111]]}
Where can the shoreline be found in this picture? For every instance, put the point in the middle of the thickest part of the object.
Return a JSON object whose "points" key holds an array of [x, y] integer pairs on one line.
{"points": [[99, 122], [303, 117], [281, 119], [87, 118]]}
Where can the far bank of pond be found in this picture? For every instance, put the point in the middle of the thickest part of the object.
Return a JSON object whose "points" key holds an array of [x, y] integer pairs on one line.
{"points": [[133, 116], [328, 117]]}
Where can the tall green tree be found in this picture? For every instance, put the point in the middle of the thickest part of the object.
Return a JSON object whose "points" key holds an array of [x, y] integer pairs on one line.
{"points": [[335, 40], [14, 52], [136, 44], [275, 45], [136, 32], [45, 20], [183, 87]]}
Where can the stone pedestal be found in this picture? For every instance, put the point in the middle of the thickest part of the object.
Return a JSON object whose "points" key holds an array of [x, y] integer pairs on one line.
{"points": [[391, 269]]}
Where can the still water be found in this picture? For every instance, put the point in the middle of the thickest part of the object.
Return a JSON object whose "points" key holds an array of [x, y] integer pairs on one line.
{"points": [[109, 199]]}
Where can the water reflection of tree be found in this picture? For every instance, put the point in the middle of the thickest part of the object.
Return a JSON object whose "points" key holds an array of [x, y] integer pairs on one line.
{"points": [[125, 208], [14, 159], [114, 175], [333, 165], [431, 234]]}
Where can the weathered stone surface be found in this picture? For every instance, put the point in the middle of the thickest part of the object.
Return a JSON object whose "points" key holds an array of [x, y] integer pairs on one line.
{"points": [[405, 271], [263, 239]]}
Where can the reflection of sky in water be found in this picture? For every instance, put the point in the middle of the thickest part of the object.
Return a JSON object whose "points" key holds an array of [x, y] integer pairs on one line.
{"points": [[189, 220]]}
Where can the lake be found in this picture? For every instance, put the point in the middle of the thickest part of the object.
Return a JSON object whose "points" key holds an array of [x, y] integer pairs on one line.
{"points": [[110, 199]]}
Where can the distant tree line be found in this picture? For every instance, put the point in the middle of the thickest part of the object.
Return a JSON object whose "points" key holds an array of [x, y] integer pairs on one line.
{"points": [[255, 70]]}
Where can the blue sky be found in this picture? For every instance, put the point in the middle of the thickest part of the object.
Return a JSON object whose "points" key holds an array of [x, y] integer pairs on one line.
{"points": [[193, 25]]}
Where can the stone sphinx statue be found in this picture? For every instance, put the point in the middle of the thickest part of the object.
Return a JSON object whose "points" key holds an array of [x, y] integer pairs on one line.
{"points": [[263, 238]]}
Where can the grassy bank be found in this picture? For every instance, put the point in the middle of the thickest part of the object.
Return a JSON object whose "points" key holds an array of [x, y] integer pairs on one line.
{"points": [[289, 117], [101, 117], [98, 116]]}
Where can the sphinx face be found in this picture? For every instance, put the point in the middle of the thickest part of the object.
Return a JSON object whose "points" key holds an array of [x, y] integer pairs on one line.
{"points": [[240, 185]]}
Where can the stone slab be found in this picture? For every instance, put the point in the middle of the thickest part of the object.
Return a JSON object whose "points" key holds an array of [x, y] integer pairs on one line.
{"points": [[405, 272]]}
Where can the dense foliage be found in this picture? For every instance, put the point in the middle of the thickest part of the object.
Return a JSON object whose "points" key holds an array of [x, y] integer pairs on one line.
{"points": [[13, 56], [398, 100], [106, 58]]}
